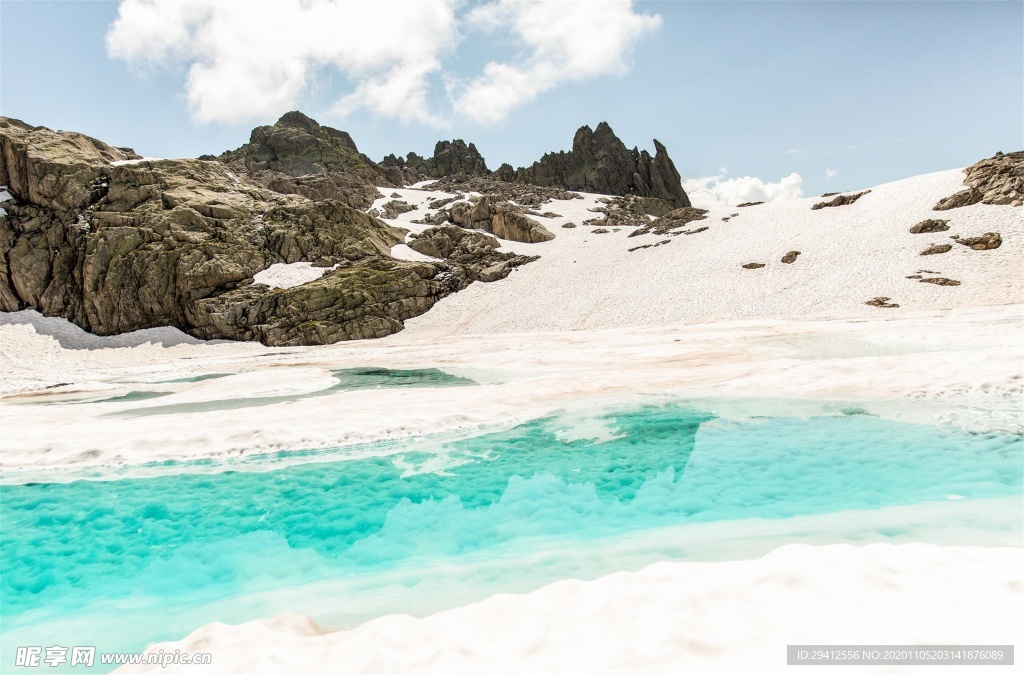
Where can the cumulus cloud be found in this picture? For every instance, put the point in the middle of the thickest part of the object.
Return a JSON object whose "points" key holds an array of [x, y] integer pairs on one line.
{"points": [[253, 59], [566, 42], [712, 191]]}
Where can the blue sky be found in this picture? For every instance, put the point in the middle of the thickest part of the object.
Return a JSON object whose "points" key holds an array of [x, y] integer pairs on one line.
{"points": [[866, 92]]}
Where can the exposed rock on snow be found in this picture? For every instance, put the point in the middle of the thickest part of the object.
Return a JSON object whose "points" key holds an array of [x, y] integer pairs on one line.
{"points": [[998, 180], [475, 251], [937, 248], [985, 242], [881, 301], [672, 222], [790, 257], [502, 219], [929, 226], [841, 200]]}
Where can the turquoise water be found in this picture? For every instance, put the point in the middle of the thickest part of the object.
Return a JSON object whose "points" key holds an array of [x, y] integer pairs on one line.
{"points": [[192, 540]]}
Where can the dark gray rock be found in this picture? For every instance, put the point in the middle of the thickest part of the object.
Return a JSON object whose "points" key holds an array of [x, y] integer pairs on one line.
{"points": [[752, 266], [940, 281], [790, 257], [882, 302]]}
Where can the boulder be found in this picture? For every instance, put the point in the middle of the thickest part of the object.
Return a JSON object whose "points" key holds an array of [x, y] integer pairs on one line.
{"points": [[937, 248], [985, 242], [929, 226], [790, 257]]}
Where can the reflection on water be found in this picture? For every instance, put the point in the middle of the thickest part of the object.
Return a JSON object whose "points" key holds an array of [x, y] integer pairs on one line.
{"points": [[189, 540]]}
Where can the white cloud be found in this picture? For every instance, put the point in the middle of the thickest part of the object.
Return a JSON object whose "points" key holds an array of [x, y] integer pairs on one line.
{"points": [[253, 59], [831, 173], [567, 42], [712, 191]]}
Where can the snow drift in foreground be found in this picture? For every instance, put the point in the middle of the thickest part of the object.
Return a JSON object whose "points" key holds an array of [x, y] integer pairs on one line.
{"points": [[669, 617]]}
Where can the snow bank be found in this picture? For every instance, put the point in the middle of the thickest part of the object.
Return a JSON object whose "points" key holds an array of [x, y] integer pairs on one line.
{"points": [[670, 617]]}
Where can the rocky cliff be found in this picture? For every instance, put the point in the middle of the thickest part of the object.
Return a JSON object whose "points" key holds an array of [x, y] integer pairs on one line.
{"points": [[598, 162], [297, 155], [451, 158], [115, 246]]}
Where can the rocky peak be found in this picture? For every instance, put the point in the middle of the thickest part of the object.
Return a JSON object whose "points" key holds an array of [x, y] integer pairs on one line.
{"points": [[300, 156], [600, 162], [450, 158]]}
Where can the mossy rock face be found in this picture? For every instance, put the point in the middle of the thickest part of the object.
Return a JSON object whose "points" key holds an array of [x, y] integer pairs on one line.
{"points": [[296, 155], [475, 252], [367, 299], [177, 242]]}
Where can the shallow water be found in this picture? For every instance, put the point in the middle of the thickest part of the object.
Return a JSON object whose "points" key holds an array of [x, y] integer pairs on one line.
{"points": [[231, 545]]}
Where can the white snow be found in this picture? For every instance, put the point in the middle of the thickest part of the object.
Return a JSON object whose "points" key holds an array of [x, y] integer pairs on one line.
{"points": [[849, 255], [289, 275], [403, 252], [671, 617], [122, 162]]}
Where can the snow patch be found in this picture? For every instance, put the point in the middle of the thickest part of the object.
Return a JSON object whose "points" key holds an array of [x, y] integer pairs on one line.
{"points": [[289, 275]]}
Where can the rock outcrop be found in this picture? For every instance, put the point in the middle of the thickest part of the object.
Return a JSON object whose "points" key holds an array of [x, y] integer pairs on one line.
{"points": [[985, 242], [790, 257], [600, 162], [998, 180], [476, 252], [672, 222], [935, 249], [502, 219], [296, 155], [116, 248], [451, 158], [929, 226], [841, 200]]}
